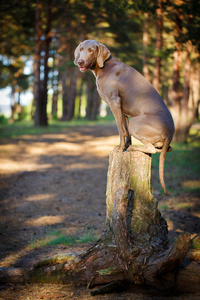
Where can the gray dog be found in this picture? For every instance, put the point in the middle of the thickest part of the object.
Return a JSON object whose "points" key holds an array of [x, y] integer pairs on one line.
{"points": [[129, 94]]}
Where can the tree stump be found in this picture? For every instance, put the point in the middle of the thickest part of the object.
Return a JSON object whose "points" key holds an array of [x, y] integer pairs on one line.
{"points": [[134, 246]]}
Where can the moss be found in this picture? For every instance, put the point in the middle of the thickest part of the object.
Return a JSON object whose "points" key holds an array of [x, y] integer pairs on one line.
{"points": [[110, 271], [47, 276], [57, 259], [139, 226], [196, 243]]}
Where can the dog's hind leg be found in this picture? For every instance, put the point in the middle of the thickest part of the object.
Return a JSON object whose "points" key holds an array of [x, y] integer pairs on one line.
{"points": [[148, 147], [142, 129]]}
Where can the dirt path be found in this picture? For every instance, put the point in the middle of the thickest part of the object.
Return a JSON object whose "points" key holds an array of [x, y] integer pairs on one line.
{"points": [[49, 182]]}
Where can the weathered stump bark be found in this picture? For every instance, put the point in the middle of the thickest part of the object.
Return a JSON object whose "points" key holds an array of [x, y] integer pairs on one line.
{"points": [[134, 246]]}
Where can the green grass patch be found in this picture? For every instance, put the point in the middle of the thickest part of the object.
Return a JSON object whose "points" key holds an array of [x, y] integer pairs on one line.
{"points": [[27, 127], [182, 168], [196, 243], [58, 237], [183, 205], [164, 207]]}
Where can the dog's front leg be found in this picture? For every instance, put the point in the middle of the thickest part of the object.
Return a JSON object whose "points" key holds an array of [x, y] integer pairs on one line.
{"points": [[128, 136], [116, 108]]}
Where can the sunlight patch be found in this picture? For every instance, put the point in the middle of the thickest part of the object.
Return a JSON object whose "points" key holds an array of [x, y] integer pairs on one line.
{"points": [[67, 146], [83, 166], [39, 197], [45, 220], [192, 184], [11, 259]]}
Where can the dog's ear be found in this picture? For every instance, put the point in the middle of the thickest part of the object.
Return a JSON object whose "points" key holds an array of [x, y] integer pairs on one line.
{"points": [[77, 54], [103, 54]]}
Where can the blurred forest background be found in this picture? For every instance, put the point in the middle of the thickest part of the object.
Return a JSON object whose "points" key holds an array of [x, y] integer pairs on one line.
{"points": [[48, 170], [37, 40]]}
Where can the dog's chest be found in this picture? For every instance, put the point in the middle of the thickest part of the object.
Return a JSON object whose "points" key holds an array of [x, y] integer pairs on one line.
{"points": [[101, 90]]}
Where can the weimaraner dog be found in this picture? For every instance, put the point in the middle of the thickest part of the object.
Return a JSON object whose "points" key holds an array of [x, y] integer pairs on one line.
{"points": [[129, 94]]}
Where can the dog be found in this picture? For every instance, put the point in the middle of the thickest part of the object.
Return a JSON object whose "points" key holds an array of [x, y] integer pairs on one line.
{"points": [[130, 96]]}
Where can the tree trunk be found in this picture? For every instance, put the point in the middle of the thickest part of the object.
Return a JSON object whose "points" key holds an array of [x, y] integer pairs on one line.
{"points": [[13, 106], [72, 94], [37, 63], [96, 104], [93, 100], [145, 43], [134, 246], [46, 67], [195, 91], [55, 81], [55, 101], [193, 101], [159, 26], [176, 97], [89, 97], [185, 122], [41, 86], [64, 77], [80, 92]]}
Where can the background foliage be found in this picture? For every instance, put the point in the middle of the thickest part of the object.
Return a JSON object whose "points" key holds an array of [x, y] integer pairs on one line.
{"points": [[158, 38]]}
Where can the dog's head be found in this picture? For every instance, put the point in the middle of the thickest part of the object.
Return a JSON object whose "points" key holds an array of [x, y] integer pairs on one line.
{"points": [[90, 53]]}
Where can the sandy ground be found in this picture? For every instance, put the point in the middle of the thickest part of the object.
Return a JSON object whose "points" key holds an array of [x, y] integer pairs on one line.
{"points": [[58, 181]]}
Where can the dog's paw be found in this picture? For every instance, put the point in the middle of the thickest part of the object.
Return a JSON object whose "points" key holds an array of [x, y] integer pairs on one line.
{"points": [[118, 148], [131, 148]]}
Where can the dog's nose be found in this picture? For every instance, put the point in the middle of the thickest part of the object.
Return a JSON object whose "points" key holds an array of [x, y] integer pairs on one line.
{"points": [[81, 62]]}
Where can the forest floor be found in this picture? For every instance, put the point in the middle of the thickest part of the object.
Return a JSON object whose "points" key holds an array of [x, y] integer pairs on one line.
{"points": [[53, 200]]}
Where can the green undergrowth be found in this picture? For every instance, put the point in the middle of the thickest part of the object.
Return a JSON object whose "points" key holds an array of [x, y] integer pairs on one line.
{"points": [[182, 169], [59, 237], [27, 127], [195, 243]]}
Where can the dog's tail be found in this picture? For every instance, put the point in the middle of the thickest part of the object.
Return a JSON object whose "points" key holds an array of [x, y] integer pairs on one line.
{"points": [[162, 162]]}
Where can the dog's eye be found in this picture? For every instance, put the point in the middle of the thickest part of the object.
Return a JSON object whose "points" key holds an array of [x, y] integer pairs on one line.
{"points": [[90, 50], [81, 49]]}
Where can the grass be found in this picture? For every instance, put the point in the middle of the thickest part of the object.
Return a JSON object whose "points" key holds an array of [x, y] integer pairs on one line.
{"points": [[164, 207], [196, 242], [27, 127], [58, 237], [182, 168]]}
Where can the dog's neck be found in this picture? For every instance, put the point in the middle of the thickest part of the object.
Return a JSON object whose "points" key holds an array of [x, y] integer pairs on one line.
{"points": [[97, 71], [109, 58]]}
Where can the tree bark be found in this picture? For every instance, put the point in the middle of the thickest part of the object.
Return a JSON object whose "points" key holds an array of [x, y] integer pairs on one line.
{"points": [[176, 97], [46, 67], [93, 100], [89, 97], [195, 91], [55, 81], [159, 27], [80, 92], [41, 86], [55, 101], [185, 122], [37, 63], [64, 77], [96, 104], [145, 43], [72, 95], [185, 107]]}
